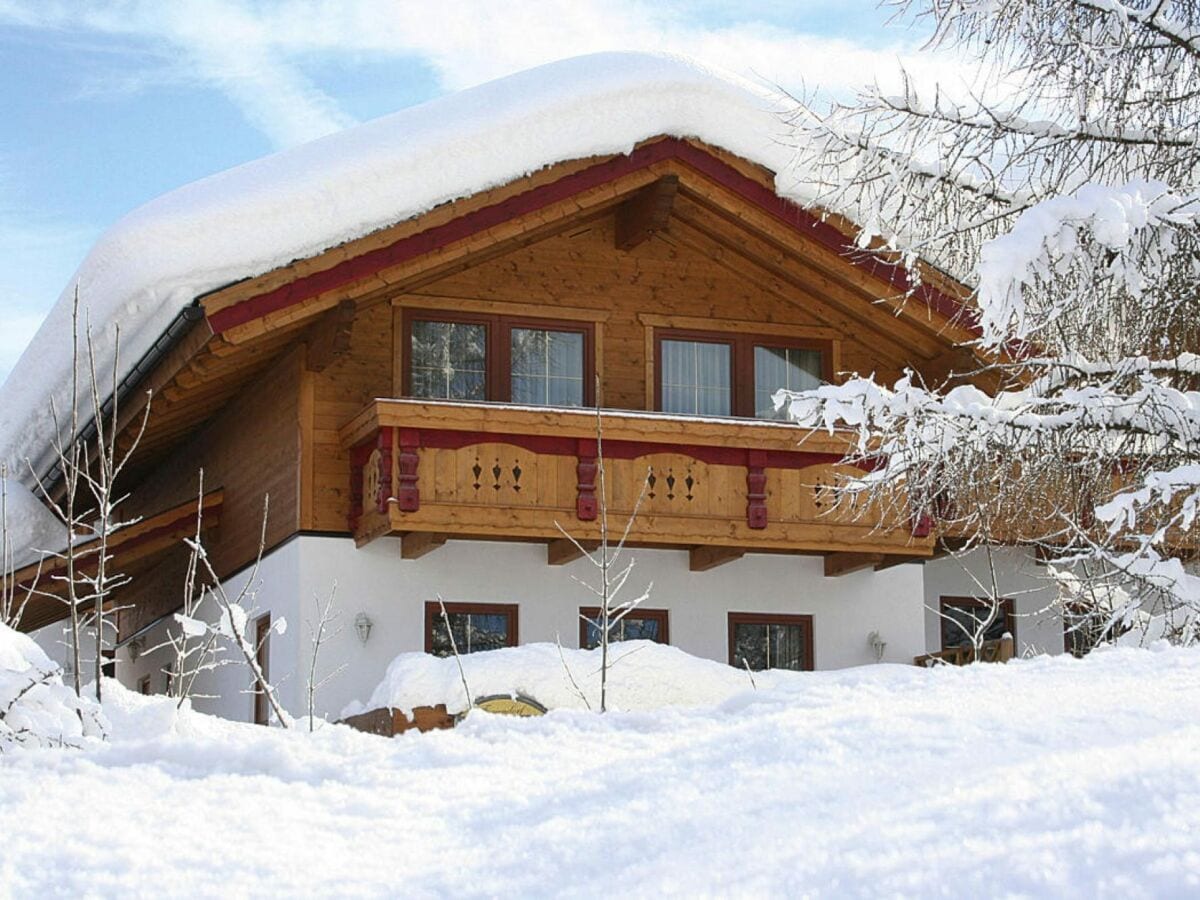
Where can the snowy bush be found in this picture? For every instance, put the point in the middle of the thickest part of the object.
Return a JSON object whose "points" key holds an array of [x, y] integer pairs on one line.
{"points": [[1065, 197], [36, 708]]}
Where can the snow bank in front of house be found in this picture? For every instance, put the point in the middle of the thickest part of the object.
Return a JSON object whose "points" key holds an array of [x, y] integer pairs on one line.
{"points": [[642, 675], [1042, 777], [299, 202], [36, 708]]}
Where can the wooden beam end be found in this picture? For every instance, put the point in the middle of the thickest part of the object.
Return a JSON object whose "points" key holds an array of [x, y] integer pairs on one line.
{"points": [[701, 559], [646, 212], [416, 544], [844, 563], [561, 551]]}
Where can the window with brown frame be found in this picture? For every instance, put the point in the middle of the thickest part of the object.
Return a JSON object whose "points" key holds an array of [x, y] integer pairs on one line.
{"points": [[475, 626], [761, 641], [720, 374], [144, 685], [262, 653], [1084, 630], [638, 625], [464, 356], [962, 617]]}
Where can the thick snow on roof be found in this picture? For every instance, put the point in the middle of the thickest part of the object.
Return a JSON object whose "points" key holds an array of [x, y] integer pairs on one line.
{"points": [[297, 203]]}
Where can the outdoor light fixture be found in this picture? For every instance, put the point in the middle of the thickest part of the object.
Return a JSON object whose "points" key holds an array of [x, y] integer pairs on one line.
{"points": [[362, 624], [135, 649], [878, 644]]}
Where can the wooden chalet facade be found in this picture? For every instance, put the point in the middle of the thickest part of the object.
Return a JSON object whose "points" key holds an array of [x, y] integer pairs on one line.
{"points": [[419, 405]]}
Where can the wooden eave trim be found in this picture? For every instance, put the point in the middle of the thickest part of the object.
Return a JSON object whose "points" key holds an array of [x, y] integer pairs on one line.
{"points": [[581, 423], [418, 300], [225, 314], [739, 326], [163, 525]]}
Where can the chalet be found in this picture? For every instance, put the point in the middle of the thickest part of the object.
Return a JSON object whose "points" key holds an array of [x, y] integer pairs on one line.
{"points": [[402, 333]]}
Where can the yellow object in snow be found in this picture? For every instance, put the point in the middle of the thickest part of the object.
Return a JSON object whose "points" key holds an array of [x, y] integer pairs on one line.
{"points": [[510, 705]]}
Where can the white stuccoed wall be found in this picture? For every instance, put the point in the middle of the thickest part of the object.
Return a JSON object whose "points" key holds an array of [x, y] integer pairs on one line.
{"points": [[278, 588], [393, 592], [1039, 628]]}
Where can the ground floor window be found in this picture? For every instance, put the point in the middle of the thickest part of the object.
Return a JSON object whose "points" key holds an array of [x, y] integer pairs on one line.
{"points": [[963, 617], [262, 653], [144, 684], [770, 641], [476, 627], [1086, 629], [639, 625]]}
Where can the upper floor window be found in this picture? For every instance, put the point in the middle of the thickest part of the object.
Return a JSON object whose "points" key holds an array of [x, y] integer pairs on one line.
{"points": [[448, 360], [709, 374], [547, 366], [488, 357]]}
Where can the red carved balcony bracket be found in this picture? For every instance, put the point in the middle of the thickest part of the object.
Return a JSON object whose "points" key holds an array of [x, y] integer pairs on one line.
{"points": [[585, 477], [408, 494], [756, 489]]}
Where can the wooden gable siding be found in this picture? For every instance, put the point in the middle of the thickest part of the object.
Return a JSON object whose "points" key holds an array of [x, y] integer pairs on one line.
{"points": [[332, 397], [250, 308], [662, 277], [248, 449], [569, 274], [724, 257]]}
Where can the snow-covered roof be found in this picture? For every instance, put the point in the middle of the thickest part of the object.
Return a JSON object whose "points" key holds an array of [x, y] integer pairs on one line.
{"points": [[297, 203]]}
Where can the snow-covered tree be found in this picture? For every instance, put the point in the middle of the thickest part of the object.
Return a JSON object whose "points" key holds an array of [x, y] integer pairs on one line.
{"points": [[1065, 194]]}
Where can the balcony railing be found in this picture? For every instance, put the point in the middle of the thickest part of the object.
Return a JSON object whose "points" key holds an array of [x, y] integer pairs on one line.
{"points": [[488, 471]]}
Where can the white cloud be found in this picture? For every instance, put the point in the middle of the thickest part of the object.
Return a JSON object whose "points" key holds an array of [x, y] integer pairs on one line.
{"points": [[219, 42], [257, 54], [472, 41]]}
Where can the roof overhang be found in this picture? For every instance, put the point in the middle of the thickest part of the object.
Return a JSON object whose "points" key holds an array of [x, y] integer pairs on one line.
{"points": [[45, 583]]}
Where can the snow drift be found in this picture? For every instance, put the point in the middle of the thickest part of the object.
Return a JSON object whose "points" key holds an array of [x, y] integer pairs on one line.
{"points": [[36, 708], [642, 675], [1045, 777]]}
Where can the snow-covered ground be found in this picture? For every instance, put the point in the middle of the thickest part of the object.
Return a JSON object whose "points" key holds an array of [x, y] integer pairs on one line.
{"points": [[1046, 777]]}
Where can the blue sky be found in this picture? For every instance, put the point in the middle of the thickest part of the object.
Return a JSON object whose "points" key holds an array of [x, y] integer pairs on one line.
{"points": [[106, 105]]}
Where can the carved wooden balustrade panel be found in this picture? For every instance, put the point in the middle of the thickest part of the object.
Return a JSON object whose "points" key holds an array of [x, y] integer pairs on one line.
{"points": [[488, 472]]}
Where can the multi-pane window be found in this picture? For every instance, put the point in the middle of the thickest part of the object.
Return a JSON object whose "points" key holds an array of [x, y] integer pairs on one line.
{"points": [[639, 625], [791, 368], [448, 360], [475, 627], [546, 366], [262, 655], [964, 617], [479, 358], [733, 374], [760, 641], [697, 377]]}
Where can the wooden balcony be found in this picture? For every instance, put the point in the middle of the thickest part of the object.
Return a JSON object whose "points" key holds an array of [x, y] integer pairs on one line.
{"points": [[436, 470]]}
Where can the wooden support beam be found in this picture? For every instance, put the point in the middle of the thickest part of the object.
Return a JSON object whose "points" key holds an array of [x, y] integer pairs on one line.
{"points": [[646, 212], [416, 544], [844, 563], [562, 551], [896, 559], [701, 559], [329, 337]]}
